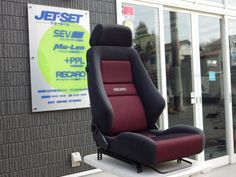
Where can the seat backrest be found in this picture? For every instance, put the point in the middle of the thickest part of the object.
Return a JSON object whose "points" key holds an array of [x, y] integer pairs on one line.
{"points": [[123, 97]]}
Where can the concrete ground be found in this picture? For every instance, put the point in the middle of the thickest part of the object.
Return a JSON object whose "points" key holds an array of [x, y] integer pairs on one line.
{"points": [[226, 171]]}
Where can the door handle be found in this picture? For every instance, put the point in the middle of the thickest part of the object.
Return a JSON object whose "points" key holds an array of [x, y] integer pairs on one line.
{"points": [[193, 98]]}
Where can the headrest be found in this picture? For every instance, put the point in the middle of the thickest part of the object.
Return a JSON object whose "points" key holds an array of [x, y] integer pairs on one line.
{"points": [[111, 35]]}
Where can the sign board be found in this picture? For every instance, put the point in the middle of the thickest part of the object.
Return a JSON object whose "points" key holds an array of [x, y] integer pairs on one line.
{"points": [[59, 40], [128, 10], [128, 16], [212, 76]]}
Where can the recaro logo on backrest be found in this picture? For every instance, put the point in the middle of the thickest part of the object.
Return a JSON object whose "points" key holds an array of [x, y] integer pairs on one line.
{"points": [[120, 89], [58, 16]]}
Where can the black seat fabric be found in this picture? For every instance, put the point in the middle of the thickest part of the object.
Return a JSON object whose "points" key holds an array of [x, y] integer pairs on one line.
{"points": [[126, 105]]}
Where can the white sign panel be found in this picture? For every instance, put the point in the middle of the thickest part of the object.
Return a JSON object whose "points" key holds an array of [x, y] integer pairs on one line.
{"points": [[59, 40]]}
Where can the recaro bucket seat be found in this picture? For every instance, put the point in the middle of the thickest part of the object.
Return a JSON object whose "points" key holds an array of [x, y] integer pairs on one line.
{"points": [[126, 105]]}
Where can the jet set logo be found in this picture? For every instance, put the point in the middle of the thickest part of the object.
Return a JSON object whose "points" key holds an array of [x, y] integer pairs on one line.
{"points": [[58, 17]]}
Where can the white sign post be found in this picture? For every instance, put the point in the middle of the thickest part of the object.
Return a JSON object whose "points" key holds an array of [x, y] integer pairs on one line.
{"points": [[59, 40]]}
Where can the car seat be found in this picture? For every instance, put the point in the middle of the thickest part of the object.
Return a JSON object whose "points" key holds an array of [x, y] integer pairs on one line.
{"points": [[126, 105]]}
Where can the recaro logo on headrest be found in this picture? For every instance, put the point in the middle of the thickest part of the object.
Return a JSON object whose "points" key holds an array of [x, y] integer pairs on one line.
{"points": [[120, 89]]}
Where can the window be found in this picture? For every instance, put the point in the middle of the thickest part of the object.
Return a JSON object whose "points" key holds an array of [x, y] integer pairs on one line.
{"points": [[212, 86], [143, 21], [178, 44]]}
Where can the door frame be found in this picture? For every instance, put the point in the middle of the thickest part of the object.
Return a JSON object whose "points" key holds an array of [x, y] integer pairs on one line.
{"points": [[228, 96]]}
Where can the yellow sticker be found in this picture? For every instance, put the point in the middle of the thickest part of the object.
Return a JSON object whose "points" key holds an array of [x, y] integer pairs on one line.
{"points": [[129, 24]]}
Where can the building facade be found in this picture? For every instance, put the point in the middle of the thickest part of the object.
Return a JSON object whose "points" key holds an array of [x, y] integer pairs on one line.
{"points": [[188, 48], [38, 144]]}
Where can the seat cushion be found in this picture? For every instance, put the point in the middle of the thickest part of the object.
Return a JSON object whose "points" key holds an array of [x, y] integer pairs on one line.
{"points": [[152, 147], [176, 145]]}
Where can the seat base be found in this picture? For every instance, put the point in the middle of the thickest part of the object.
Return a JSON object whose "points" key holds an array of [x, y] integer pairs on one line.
{"points": [[172, 166], [131, 162], [160, 168], [120, 168]]}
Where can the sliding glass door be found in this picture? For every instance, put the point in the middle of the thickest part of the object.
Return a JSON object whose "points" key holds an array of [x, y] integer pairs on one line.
{"points": [[143, 21], [182, 52], [232, 55], [212, 86], [178, 59]]}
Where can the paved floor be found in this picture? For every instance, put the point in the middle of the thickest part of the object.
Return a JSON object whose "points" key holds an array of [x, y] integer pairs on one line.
{"points": [[227, 171]]}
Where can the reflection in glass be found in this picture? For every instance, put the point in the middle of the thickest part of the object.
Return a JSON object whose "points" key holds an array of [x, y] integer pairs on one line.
{"points": [[144, 23], [232, 3], [178, 67], [232, 49], [212, 86]]}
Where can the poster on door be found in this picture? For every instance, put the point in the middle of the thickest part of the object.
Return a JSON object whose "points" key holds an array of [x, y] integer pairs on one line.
{"points": [[58, 40], [128, 16]]}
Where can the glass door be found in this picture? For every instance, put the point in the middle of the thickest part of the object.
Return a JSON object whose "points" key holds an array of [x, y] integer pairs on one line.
{"points": [[143, 21], [212, 86], [232, 55], [178, 64], [184, 55]]}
